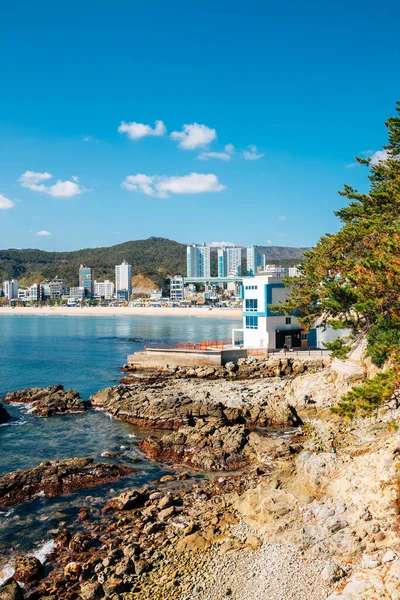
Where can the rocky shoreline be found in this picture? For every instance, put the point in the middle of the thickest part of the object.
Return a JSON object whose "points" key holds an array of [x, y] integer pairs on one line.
{"points": [[283, 518], [57, 478], [52, 400]]}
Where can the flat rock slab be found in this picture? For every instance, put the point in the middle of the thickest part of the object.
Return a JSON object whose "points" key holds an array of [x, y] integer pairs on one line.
{"points": [[57, 478]]}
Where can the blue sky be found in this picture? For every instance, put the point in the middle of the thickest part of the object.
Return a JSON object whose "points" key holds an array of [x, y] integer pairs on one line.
{"points": [[300, 87]]}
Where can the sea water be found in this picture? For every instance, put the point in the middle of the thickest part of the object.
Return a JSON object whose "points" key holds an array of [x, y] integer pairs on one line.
{"points": [[84, 353]]}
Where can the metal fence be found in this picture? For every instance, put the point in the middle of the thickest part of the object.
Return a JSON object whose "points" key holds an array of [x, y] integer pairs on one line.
{"points": [[201, 345], [301, 351]]}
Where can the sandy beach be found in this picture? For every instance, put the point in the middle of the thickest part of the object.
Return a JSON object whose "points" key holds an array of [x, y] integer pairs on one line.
{"points": [[123, 311]]}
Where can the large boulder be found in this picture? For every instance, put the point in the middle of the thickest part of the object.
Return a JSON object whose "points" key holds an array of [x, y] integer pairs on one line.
{"points": [[128, 500], [56, 478], [48, 401], [28, 569]]}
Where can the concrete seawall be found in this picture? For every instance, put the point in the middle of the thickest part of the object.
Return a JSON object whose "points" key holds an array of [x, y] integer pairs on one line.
{"points": [[154, 357]]}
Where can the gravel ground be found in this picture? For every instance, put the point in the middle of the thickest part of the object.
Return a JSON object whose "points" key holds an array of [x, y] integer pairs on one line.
{"points": [[275, 572]]}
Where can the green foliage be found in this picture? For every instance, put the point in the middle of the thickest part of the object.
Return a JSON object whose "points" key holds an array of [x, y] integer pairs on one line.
{"points": [[364, 399], [155, 258], [383, 341], [338, 347], [353, 276]]}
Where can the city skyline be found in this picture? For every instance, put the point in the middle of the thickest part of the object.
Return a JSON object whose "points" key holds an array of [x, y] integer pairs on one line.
{"points": [[173, 140]]}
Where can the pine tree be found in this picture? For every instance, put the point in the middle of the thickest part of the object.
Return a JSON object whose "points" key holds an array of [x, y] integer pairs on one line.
{"points": [[352, 278]]}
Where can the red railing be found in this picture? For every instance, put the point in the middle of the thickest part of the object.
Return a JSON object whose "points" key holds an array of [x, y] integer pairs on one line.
{"points": [[201, 345], [257, 352]]}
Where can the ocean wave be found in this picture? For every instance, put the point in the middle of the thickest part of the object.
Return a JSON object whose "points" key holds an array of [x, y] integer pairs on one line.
{"points": [[44, 550], [14, 422], [41, 553]]}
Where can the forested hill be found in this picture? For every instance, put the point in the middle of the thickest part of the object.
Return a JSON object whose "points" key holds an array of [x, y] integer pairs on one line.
{"points": [[155, 258]]}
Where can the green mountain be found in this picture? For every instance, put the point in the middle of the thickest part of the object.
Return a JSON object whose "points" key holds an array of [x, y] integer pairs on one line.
{"points": [[154, 258]]}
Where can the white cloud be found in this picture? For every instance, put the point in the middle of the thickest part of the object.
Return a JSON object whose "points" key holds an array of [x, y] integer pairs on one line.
{"points": [[226, 155], [374, 157], [282, 218], [31, 178], [162, 187], [43, 233], [61, 189], [378, 157], [221, 244], [140, 183], [5, 202], [251, 153], [194, 136], [269, 241], [75, 178], [135, 131], [281, 234]]}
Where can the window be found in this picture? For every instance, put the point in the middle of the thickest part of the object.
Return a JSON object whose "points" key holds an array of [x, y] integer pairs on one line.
{"points": [[251, 305], [304, 336], [288, 320], [250, 287], [251, 322]]}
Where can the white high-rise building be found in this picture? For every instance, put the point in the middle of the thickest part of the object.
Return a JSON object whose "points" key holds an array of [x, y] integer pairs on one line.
{"points": [[234, 261], [229, 261], [10, 288], [253, 260], [222, 262], [198, 260], [123, 278], [104, 289]]}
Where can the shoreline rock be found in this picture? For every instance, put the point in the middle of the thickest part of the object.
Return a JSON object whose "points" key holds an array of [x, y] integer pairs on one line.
{"points": [[48, 401], [57, 478], [252, 367], [162, 406], [203, 447]]}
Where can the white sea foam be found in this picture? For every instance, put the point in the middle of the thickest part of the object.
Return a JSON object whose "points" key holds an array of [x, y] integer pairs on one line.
{"points": [[43, 551], [40, 553], [7, 513], [132, 435], [6, 572], [14, 422], [40, 494]]}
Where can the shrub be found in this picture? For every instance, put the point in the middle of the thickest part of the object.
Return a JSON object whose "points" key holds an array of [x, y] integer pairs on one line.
{"points": [[364, 399], [383, 341]]}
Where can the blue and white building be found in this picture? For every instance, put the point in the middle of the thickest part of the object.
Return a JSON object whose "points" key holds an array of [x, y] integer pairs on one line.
{"points": [[263, 328]]}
